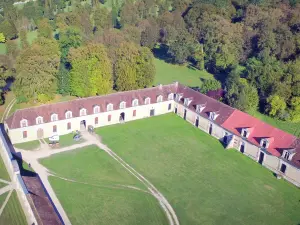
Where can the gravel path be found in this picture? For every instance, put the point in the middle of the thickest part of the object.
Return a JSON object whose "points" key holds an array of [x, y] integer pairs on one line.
{"points": [[33, 156]]}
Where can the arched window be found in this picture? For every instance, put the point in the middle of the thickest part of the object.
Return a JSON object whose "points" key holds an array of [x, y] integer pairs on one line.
{"points": [[147, 101], [24, 123], [110, 107], [96, 109], [159, 98], [123, 105], [54, 117], [39, 120], [68, 114], [135, 102], [171, 96], [82, 112]]}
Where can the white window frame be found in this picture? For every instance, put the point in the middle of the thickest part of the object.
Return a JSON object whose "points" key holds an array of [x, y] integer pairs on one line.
{"points": [[135, 102], [39, 118], [147, 101], [122, 105], [54, 117], [109, 107], [286, 155], [171, 96], [159, 98], [96, 109], [68, 113], [26, 123], [82, 112]]}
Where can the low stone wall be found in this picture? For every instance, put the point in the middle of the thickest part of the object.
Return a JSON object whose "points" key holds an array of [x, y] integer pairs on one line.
{"points": [[14, 173]]}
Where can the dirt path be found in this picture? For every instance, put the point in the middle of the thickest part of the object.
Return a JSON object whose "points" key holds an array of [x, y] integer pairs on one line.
{"points": [[32, 157]]}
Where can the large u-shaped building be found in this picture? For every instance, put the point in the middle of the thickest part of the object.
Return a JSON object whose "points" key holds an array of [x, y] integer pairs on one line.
{"points": [[269, 146]]}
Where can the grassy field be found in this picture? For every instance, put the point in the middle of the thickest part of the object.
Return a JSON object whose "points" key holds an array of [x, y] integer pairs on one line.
{"points": [[13, 213], [30, 145], [203, 182], [168, 73], [2, 198], [100, 195], [292, 128], [3, 172]]}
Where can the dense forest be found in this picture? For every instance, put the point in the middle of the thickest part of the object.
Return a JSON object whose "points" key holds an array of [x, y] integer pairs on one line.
{"points": [[87, 48]]}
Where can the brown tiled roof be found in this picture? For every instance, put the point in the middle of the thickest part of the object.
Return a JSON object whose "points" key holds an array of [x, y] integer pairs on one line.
{"points": [[30, 114], [212, 105], [296, 157]]}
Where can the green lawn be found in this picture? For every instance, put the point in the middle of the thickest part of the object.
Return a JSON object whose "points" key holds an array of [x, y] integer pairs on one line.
{"points": [[205, 183], [67, 140], [101, 199], [13, 213], [30, 145], [3, 172], [168, 73], [2, 199], [292, 128]]}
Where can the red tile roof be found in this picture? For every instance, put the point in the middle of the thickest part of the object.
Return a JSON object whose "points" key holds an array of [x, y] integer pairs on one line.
{"points": [[212, 105], [279, 140], [30, 114]]}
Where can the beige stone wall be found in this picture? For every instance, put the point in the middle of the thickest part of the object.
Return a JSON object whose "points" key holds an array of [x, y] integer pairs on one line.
{"points": [[143, 111], [292, 174]]}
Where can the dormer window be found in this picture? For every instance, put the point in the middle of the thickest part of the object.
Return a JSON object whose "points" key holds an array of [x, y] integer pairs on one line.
{"points": [[187, 101], [178, 97], [123, 105], [109, 107], [135, 102], [39, 120], [159, 98], [68, 115], [245, 132], [171, 96], [213, 115], [96, 109], [24, 123], [54, 117], [288, 154], [82, 112], [200, 108], [147, 101], [264, 143]]}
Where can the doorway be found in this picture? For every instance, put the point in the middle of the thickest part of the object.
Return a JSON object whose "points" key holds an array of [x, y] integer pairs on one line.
{"points": [[283, 168], [242, 148], [225, 138], [82, 125], [197, 122], [175, 110], [261, 158], [122, 117], [184, 115], [152, 112], [40, 133], [210, 129]]}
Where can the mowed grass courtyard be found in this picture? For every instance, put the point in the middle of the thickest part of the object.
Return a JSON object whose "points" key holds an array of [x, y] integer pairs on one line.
{"points": [[204, 183]]}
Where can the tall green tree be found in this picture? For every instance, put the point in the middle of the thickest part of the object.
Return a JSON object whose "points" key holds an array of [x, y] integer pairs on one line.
{"points": [[91, 72], [44, 29], [8, 29], [36, 68], [276, 104], [23, 39]]}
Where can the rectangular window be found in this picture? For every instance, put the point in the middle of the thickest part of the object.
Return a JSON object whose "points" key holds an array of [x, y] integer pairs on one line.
{"points": [[69, 126], [24, 134], [134, 113], [96, 120], [169, 107], [54, 129], [109, 118]]}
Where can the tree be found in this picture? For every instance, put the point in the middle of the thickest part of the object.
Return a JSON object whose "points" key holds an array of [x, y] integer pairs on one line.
{"points": [[44, 28], [295, 109], [145, 68], [210, 85], [275, 105], [114, 13], [102, 18], [23, 39], [91, 71], [12, 49], [8, 29], [36, 68], [2, 38], [149, 36]]}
